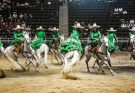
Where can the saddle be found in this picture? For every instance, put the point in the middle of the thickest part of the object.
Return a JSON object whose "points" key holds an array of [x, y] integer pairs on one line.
{"points": [[18, 48], [94, 48], [56, 44]]}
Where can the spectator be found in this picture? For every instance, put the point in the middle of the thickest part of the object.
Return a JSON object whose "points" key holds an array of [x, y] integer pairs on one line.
{"points": [[15, 17], [123, 23], [131, 23], [21, 17]]}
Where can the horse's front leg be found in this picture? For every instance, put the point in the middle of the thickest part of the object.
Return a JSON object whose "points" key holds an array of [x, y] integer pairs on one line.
{"points": [[100, 65], [2, 74], [88, 57], [106, 63], [46, 57]]}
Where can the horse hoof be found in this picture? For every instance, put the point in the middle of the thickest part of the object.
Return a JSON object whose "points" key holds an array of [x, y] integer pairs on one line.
{"points": [[37, 65], [2, 75], [103, 72], [27, 69], [46, 66], [113, 73], [19, 70]]}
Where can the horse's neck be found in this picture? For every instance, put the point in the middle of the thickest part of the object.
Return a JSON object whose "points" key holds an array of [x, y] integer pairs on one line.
{"points": [[103, 47], [26, 46]]}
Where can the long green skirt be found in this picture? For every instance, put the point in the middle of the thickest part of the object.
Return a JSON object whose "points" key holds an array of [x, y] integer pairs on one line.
{"points": [[71, 45], [37, 43]]}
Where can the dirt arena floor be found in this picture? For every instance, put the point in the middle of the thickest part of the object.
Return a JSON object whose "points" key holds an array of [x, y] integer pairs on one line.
{"points": [[51, 80]]}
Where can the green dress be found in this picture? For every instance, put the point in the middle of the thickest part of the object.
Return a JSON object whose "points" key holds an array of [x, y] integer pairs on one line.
{"points": [[95, 37], [39, 40], [18, 38], [112, 39], [72, 44], [1, 45]]}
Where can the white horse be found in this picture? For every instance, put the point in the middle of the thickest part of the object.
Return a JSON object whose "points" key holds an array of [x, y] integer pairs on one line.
{"points": [[13, 56], [2, 74], [132, 47], [70, 59], [103, 55], [41, 54]]}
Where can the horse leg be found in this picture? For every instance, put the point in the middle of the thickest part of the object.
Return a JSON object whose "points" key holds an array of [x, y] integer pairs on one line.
{"points": [[109, 62], [27, 63], [34, 65], [94, 65], [15, 63], [100, 66], [53, 55], [66, 67], [56, 57], [112, 72], [87, 62], [2, 74], [60, 56], [75, 58], [46, 56], [88, 56]]}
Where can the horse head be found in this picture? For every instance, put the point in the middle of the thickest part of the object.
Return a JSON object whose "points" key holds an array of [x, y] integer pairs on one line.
{"points": [[62, 38], [26, 37]]}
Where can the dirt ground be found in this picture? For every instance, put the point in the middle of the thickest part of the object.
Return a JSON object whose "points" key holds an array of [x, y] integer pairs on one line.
{"points": [[51, 80]]}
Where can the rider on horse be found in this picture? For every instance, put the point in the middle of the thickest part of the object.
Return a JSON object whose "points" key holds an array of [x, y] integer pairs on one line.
{"points": [[1, 45], [39, 38], [95, 37], [55, 36], [73, 43], [112, 39], [132, 37], [18, 38]]}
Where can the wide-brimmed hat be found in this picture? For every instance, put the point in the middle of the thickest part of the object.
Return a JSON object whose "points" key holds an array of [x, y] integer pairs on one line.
{"points": [[133, 29], [54, 29], [111, 30], [89, 26], [78, 25], [40, 28], [94, 26], [18, 27]]}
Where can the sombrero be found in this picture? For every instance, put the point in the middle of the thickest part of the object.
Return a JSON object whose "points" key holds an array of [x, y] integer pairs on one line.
{"points": [[78, 25], [111, 30], [133, 29], [18, 27], [40, 28], [89, 25], [94, 26], [54, 29]]}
